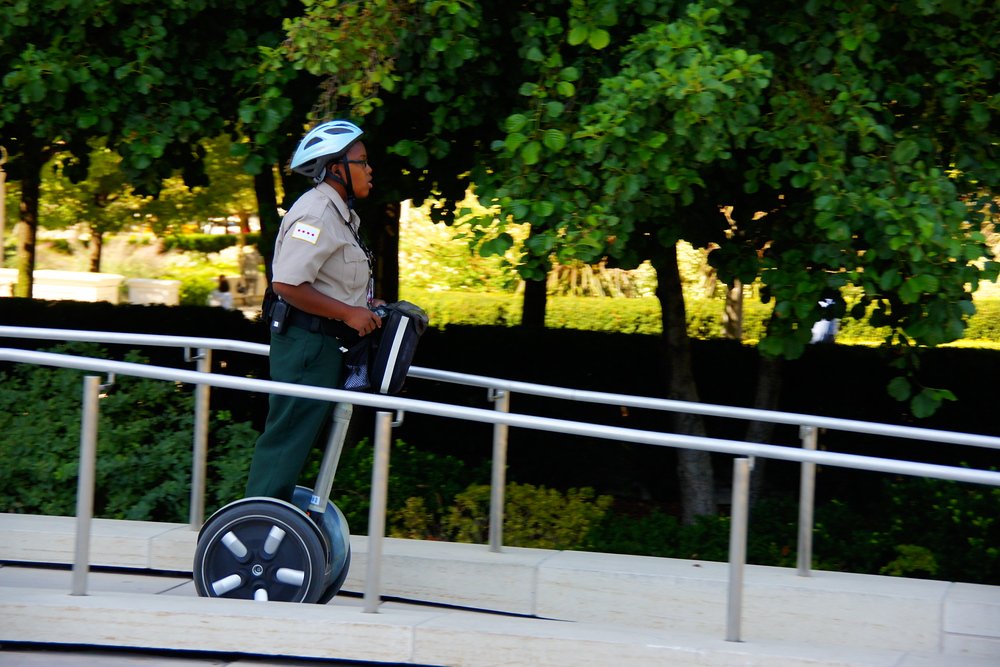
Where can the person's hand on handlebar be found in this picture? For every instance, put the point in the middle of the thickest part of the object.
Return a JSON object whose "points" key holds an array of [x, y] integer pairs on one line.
{"points": [[363, 320]]}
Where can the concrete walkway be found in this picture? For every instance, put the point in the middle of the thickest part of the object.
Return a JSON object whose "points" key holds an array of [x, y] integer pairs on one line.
{"points": [[460, 604]]}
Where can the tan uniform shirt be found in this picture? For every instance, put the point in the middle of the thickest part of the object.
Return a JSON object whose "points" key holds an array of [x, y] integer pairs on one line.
{"points": [[314, 245]]}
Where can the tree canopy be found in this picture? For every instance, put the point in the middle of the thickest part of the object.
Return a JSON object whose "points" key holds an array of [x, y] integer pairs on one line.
{"points": [[152, 79], [866, 136], [854, 144], [827, 149]]}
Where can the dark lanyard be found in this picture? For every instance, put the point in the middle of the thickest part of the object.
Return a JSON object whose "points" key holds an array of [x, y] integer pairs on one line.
{"points": [[369, 257]]}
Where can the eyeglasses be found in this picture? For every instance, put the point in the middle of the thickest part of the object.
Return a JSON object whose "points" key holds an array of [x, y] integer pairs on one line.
{"points": [[363, 163]]}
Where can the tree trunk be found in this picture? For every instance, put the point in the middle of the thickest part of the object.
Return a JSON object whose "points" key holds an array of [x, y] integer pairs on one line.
{"points": [[766, 397], [533, 305], [270, 220], [387, 251], [535, 296], [732, 317], [96, 249], [27, 230], [694, 468], [3, 206]]}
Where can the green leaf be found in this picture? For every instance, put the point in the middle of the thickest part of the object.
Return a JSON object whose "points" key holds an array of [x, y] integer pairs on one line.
{"points": [[543, 209], [825, 202], [889, 279], [418, 156], [927, 283], [578, 35], [905, 152], [554, 109], [527, 89], [554, 139], [540, 244], [566, 89], [141, 161], [515, 123], [851, 41], [909, 291], [403, 148], [771, 346], [925, 403], [254, 164], [514, 140], [86, 119], [569, 74], [531, 152], [899, 388], [599, 38]]}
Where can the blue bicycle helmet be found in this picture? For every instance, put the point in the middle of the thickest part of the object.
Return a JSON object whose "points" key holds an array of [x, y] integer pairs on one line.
{"points": [[323, 144]]}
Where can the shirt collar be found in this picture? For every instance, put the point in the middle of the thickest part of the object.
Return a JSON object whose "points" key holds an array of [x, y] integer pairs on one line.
{"points": [[338, 201]]}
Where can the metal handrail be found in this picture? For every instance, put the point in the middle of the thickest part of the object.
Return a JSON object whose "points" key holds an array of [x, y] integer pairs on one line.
{"points": [[564, 426], [499, 392], [710, 410], [548, 391], [380, 468]]}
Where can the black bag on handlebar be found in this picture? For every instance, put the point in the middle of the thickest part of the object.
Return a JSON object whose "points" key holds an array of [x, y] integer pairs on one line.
{"points": [[379, 362]]}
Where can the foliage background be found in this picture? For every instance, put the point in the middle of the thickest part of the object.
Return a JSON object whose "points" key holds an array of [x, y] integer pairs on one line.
{"points": [[881, 113]]}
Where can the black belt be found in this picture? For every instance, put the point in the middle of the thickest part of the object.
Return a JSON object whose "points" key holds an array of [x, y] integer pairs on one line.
{"points": [[342, 332]]}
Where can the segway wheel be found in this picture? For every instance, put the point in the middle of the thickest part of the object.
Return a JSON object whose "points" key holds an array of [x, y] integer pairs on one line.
{"points": [[337, 537], [334, 588], [260, 550]]}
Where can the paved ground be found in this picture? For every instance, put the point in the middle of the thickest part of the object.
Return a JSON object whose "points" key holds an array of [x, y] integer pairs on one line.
{"points": [[31, 656], [551, 609], [21, 656], [111, 580]]}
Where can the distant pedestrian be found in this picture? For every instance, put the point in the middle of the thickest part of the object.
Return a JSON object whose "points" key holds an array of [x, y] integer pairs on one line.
{"points": [[221, 296], [825, 330]]}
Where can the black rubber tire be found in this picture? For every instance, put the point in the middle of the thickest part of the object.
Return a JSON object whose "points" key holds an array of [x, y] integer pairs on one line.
{"points": [[336, 537], [294, 572], [334, 588]]}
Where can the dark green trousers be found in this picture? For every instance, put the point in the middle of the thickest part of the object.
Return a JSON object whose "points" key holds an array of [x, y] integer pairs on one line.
{"points": [[294, 425]]}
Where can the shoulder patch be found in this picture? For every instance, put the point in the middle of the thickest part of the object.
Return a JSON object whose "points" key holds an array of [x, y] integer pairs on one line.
{"points": [[305, 232]]}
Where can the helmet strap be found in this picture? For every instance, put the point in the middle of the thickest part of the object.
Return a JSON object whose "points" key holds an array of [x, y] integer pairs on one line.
{"points": [[348, 184]]}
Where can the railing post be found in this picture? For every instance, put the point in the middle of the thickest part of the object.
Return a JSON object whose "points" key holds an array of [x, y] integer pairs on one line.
{"points": [[807, 495], [738, 546], [376, 511], [498, 478], [199, 452], [85, 482]]}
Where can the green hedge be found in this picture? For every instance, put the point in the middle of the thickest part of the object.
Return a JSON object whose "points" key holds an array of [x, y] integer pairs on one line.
{"points": [[642, 316], [985, 324], [206, 243]]}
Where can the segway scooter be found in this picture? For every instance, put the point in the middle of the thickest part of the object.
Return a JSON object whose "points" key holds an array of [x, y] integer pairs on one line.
{"points": [[268, 549]]}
